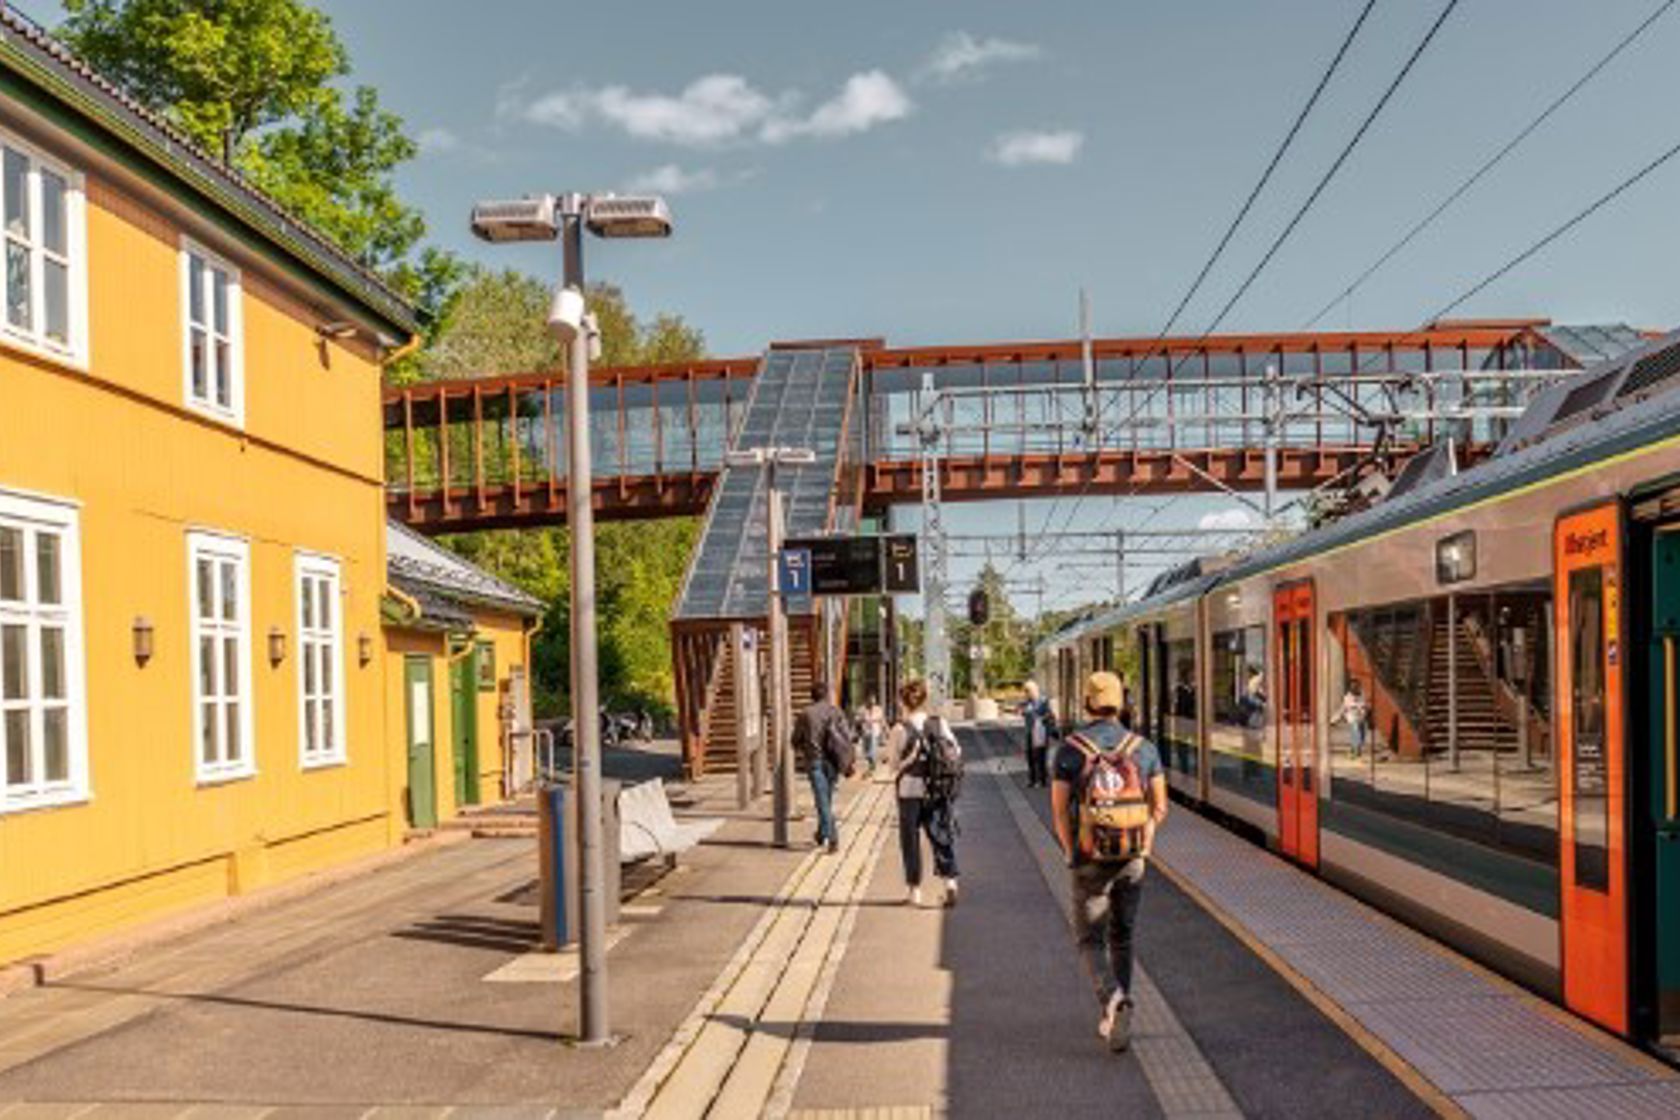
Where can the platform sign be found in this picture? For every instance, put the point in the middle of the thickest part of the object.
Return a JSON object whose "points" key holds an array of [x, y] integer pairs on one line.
{"points": [[843, 565], [900, 567], [793, 571]]}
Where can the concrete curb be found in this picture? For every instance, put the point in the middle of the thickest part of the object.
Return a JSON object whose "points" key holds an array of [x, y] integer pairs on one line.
{"points": [[120, 947]]}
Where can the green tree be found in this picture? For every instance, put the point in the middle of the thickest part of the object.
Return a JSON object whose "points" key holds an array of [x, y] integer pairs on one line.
{"points": [[256, 81], [495, 324]]}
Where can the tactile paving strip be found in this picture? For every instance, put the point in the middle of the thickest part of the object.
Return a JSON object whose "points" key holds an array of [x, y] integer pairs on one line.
{"points": [[1494, 1049]]}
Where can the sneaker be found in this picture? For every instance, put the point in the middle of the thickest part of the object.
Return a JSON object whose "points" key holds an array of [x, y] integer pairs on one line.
{"points": [[833, 846], [915, 898], [1116, 1025], [950, 894]]}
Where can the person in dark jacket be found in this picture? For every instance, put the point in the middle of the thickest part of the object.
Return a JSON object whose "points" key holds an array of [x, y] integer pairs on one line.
{"points": [[816, 732]]}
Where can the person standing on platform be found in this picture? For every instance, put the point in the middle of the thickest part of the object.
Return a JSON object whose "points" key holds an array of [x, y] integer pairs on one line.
{"points": [[1109, 797], [823, 737], [872, 721], [924, 755], [1041, 728]]}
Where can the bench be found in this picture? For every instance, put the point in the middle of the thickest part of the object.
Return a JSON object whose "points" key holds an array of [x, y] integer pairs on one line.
{"points": [[647, 828]]}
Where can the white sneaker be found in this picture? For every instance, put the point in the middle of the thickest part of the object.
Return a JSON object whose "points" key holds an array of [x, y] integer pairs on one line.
{"points": [[915, 898], [1116, 1025]]}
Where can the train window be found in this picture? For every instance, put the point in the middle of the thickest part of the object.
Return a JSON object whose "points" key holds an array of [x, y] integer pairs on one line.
{"points": [[1440, 714], [1587, 757], [1181, 700]]}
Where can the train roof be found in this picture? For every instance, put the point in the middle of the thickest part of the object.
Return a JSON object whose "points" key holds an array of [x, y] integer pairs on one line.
{"points": [[1608, 409]]}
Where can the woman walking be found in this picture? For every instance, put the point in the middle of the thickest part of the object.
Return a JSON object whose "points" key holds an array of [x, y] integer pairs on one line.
{"points": [[921, 747]]}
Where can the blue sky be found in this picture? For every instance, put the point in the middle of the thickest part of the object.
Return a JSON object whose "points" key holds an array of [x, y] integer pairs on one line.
{"points": [[942, 172]]}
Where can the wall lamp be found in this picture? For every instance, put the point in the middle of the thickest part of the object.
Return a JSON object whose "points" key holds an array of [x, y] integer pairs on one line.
{"points": [[142, 640], [276, 646], [364, 648]]}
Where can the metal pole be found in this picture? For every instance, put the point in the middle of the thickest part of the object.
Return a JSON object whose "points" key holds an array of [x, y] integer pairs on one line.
{"points": [[744, 716], [782, 791], [1120, 564], [586, 763], [1271, 427], [1452, 683]]}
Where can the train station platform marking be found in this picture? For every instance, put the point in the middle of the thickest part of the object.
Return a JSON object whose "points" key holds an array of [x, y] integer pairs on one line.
{"points": [[725, 1058], [1179, 1075], [1466, 1042]]}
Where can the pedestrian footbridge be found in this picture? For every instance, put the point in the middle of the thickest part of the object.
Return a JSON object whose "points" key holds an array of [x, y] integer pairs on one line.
{"points": [[1115, 417]]}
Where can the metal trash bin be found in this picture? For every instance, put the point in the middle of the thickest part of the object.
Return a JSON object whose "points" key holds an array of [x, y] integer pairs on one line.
{"points": [[558, 879]]}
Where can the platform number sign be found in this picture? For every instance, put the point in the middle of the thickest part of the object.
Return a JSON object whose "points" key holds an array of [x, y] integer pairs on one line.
{"points": [[900, 573], [793, 572]]}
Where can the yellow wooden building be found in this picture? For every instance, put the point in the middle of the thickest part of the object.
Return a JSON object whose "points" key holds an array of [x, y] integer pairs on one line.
{"points": [[193, 693], [458, 699]]}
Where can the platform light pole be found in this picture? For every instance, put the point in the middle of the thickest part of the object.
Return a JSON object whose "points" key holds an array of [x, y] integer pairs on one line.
{"points": [[781, 673], [545, 218]]}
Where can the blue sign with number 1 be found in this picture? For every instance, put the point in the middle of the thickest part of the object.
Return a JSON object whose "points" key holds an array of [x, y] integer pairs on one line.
{"points": [[793, 571]]}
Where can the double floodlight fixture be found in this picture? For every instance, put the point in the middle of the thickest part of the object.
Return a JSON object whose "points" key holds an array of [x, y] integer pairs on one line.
{"points": [[780, 456], [541, 217]]}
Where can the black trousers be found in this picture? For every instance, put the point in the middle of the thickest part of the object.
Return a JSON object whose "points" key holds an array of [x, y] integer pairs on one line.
{"points": [[917, 815], [1105, 904], [1038, 773]]}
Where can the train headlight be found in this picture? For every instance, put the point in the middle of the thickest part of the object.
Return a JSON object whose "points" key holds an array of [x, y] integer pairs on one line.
{"points": [[1455, 558]]}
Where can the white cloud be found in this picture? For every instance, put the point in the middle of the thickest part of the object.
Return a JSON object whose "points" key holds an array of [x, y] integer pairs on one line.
{"points": [[961, 55], [716, 110], [1015, 149], [866, 100], [1233, 518], [671, 178], [434, 140]]}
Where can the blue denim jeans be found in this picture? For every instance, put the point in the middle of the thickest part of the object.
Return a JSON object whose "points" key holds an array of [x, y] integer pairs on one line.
{"points": [[822, 791]]}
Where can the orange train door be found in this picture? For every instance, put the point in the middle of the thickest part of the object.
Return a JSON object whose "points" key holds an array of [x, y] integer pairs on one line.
{"points": [[1292, 624], [1587, 551]]}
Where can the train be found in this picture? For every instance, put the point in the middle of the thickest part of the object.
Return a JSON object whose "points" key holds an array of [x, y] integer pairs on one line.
{"points": [[1460, 702]]}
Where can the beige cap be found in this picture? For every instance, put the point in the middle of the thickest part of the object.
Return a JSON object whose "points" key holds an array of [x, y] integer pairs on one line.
{"points": [[1102, 691]]}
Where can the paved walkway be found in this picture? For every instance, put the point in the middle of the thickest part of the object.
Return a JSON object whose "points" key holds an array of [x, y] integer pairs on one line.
{"points": [[762, 982]]}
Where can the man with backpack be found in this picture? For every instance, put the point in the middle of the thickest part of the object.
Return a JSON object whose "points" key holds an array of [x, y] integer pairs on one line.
{"points": [[927, 769], [1109, 796], [823, 737]]}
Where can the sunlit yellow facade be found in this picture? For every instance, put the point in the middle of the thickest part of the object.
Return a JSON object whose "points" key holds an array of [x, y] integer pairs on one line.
{"points": [[193, 694]]}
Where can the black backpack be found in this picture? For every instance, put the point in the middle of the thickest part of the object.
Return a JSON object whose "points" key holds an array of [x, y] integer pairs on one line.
{"points": [[942, 761], [835, 743]]}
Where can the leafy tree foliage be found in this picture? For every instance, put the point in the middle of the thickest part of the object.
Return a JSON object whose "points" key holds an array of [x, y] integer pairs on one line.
{"points": [[255, 81], [495, 325]]}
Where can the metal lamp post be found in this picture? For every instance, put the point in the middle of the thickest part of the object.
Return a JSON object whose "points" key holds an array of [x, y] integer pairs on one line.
{"points": [[781, 675], [545, 218]]}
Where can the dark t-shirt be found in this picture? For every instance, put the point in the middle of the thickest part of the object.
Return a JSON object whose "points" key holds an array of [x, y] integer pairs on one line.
{"points": [[1105, 735]]}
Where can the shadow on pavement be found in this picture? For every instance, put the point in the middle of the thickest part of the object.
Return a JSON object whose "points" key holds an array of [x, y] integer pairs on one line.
{"points": [[384, 1018]]}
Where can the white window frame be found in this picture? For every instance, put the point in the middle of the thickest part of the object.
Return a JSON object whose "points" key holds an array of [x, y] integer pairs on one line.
{"points": [[233, 412], [221, 549], [33, 515], [33, 338], [310, 571]]}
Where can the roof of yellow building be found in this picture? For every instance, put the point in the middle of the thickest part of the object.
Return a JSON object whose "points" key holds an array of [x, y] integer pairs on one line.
{"points": [[28, 51], [447, 586]]}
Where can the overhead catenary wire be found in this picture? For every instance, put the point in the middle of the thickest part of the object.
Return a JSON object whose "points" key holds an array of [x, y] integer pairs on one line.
{"points": [[1580, 216], [1490, 163], [1295, 221], [1271, 167]]}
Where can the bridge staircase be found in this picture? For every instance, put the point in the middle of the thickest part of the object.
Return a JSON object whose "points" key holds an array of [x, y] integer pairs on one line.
{"points": [[804, 397]]}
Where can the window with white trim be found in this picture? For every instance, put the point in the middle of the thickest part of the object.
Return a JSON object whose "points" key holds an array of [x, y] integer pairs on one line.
{"points": [[219, 581], [42, 214], [43, 712], [214, 358], [320, 662]]}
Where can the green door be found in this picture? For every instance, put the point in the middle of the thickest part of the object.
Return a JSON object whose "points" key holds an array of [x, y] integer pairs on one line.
{"points": [[422, 771], [1663, 790], [463, 706]]}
